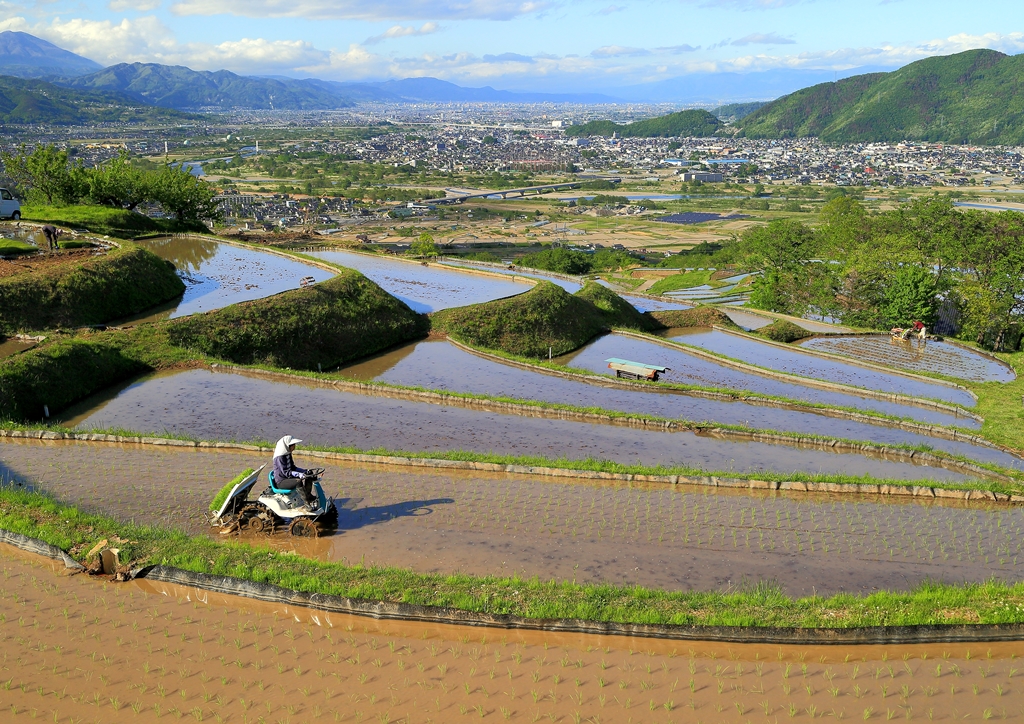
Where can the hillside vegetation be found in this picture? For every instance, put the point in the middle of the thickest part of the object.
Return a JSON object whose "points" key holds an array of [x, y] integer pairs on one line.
{"points": [[101, 289], [971, 97], [325, 325], [545, 317], [684, 123], [36, 101]]}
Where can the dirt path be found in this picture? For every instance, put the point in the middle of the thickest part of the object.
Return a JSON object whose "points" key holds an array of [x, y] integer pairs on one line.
{"points": [[83, 649]]}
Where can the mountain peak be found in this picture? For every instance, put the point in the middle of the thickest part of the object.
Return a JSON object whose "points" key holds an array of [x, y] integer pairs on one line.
{"points": [[27, 56]]}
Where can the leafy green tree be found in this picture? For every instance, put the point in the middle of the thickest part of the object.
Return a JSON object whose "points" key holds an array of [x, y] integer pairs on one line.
{"points": [[560, 260], [424, 246], [909, 296], [189, 198], [118, 183], [782, 249], [47, 172]]}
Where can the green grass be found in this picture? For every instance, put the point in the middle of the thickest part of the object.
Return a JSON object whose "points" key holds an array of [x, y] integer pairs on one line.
{"points": [[13, 247], [760, 604], [546, 317], [325, 325], [98, 290], [782, 330], [686, 280], [119, 223], [222, 494]]}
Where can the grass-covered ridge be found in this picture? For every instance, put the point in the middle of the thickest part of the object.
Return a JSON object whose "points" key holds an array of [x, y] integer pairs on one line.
{"points": [[327, 324], [760, 605], [546, 317], [120, 223], [124, 281]]}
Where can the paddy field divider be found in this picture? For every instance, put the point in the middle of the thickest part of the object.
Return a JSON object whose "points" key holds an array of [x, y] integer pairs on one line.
{"points": [[714, 481], [446, 615]]}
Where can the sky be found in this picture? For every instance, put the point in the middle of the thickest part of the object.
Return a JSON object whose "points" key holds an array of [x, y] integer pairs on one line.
{"points": [[550, 45]]}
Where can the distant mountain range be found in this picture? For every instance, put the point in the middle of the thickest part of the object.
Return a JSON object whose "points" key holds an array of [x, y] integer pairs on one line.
{"points": [[27, 56], [26, 100], [972, 97], [684, 123]]}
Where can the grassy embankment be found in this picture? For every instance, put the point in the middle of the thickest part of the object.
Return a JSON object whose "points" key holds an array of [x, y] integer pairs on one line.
{"points": [[761, 605], [95, 291], [119, 223], [686, 280], [14, 247], [344, 318], [545, 318]]}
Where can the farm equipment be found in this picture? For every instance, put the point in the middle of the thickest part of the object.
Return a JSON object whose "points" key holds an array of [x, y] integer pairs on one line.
{"points": [[275, 508], [635, 370]]}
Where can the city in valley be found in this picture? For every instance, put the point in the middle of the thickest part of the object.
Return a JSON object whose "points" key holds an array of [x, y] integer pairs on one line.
{"points": [[501, 362]]}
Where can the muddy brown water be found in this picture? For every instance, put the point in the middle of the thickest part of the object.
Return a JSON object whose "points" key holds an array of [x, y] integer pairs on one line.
{"points": [[9, 347], [231, 406], [686, 368], [915, 355], [794, 361], [82, 649], [218, 274], [438, 364], [426, 288], [659, 536]]}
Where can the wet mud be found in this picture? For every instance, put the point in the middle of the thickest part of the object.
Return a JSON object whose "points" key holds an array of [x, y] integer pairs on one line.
{"points": [[9, 347], [217, 274], [915, 355], [438, 364], [229, 406], [793, 361], [658, 536], [688, 369], [426, 288], [83, 649]]}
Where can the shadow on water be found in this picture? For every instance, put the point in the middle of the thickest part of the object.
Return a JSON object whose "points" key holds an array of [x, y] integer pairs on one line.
{"points": [[356, 518], [187, 254]]}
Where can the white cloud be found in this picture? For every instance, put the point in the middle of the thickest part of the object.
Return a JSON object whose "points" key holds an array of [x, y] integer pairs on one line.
{"points": [[141, 6], [677, 49], [763, 39], [747, 4], [363, 10], [616, 51], [403, 31], [610, 9]]}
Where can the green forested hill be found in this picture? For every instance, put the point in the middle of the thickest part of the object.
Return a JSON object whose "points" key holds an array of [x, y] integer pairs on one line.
{"points": [[175, 86], [683, 123], [35, 101], [971, 97]]}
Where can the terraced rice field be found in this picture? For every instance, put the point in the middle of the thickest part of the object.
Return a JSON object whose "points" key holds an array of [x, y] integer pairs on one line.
{"points": [[943, 358], [660, 536], [84, 650], [217, 274], [226, 406], [794, 361], [686, 368], [438, 364], [426, 288]]}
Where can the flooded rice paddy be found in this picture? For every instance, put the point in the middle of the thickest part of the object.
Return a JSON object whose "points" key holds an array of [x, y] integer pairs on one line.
{"points": [[10, 347], [426, 288], [148, 651], [685, 368], [438, 364], [676, 538], [566, 283], [944, 358], [218, 274], [796, 362], [226, 406]]}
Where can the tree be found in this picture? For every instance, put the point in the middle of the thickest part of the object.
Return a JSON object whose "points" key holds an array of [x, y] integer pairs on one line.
{"points": [[910, 296], [189, 198], [48, 172], [424, 246], [119, 184]]}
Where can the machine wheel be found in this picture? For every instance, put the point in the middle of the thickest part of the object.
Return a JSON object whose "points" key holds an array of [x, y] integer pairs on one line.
{"points": [[304, 527], [258, 525], [16, 216]]}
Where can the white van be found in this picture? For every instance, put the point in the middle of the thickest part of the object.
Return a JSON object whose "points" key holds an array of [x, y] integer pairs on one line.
{"points": [[9, 206]]}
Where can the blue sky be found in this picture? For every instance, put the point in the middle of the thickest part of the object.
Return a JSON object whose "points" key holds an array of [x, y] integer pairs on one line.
{"points": [[566, 45]]}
